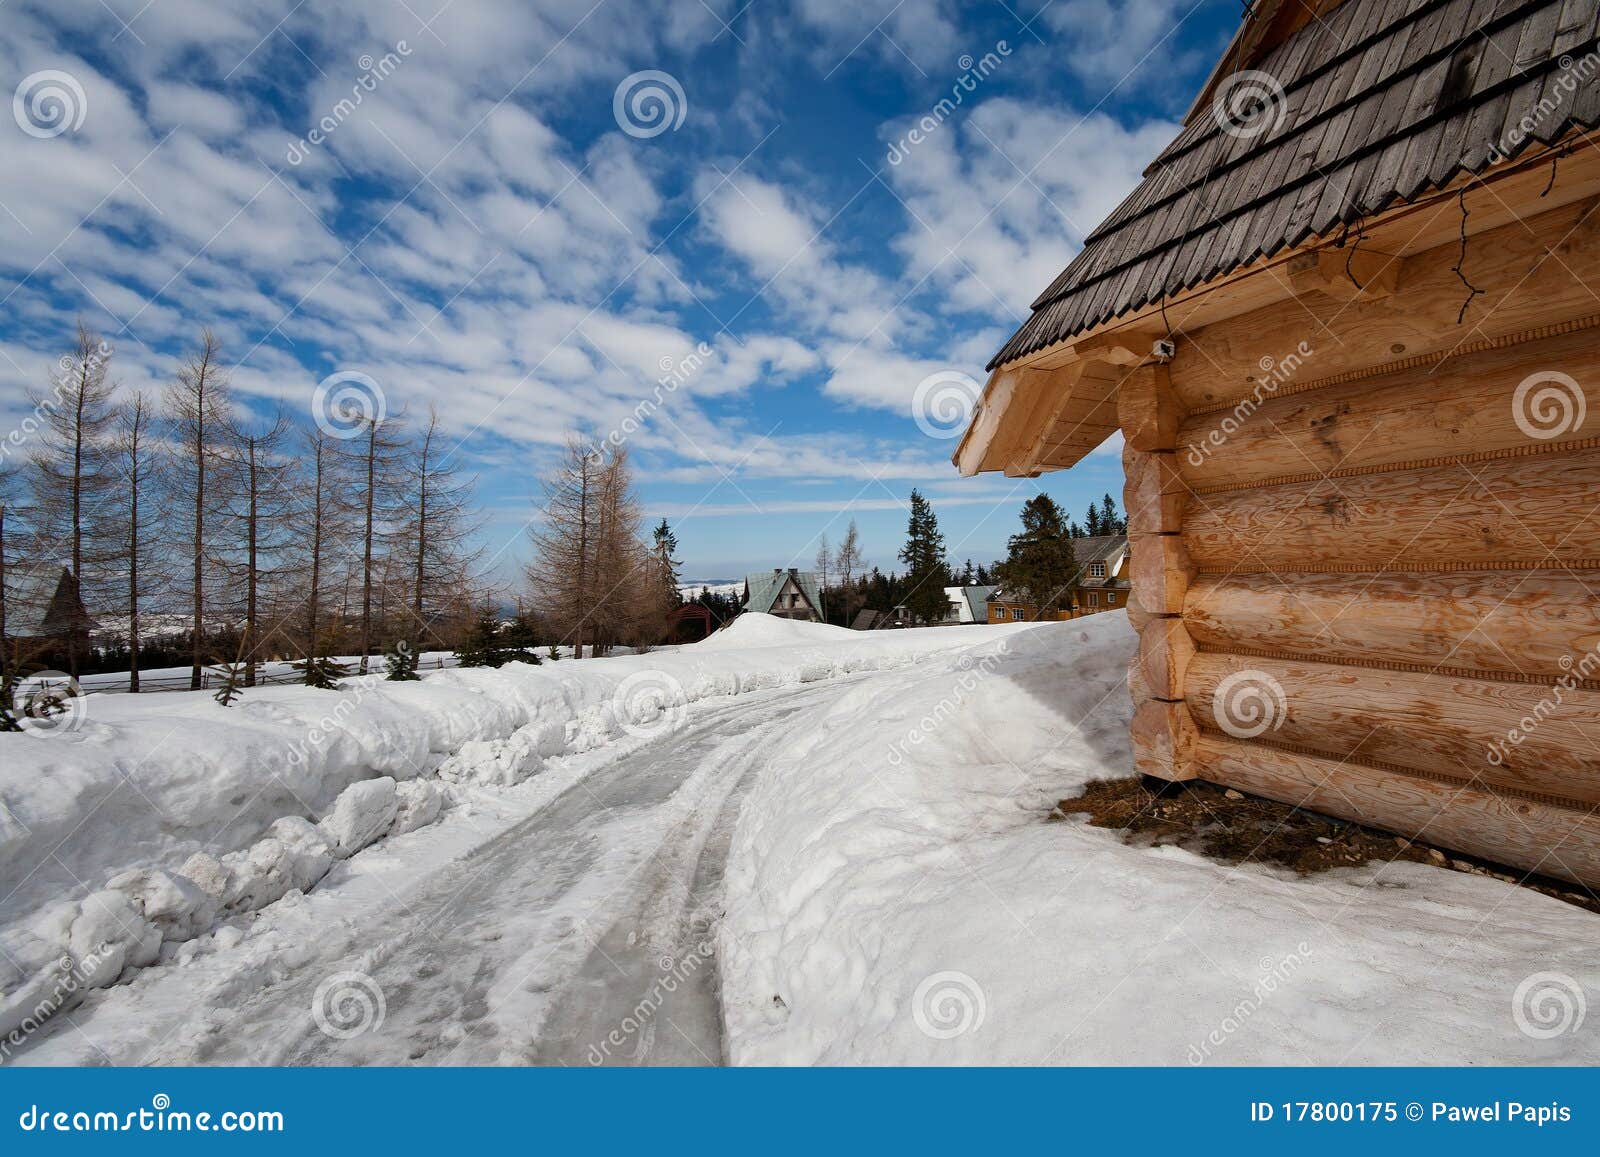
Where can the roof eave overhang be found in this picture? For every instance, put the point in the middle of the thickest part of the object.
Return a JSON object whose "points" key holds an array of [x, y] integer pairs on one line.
{"points": [[1241, 290]]}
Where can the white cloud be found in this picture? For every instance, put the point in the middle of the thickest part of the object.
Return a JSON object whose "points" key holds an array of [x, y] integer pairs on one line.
{"points": [[1115, 41]]}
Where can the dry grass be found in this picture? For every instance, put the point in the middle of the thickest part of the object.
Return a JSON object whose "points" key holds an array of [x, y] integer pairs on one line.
{"points": [[1235, 829]]}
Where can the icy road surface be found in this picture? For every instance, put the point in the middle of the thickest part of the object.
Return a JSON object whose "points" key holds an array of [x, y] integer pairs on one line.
{"points": [[579, 935]]}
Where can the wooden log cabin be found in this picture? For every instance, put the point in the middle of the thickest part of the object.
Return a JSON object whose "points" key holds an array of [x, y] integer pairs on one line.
{"points": [[1349, 329]]}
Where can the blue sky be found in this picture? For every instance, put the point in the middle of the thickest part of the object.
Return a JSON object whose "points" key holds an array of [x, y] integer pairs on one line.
{"points": [[497, 228]]}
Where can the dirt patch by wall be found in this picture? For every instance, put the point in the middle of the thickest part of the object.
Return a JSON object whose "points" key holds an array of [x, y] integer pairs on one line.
{"points": [[1233, 828]]}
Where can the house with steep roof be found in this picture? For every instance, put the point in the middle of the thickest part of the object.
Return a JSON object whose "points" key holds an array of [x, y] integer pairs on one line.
{"points": [[1101, 584], [43, 610], [788, 594], [968, 604], [1347, 326]]}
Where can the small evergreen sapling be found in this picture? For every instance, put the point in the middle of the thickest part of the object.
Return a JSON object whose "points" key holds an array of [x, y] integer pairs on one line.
{"points": [[322, 672], [400, 661], [232, 674]]}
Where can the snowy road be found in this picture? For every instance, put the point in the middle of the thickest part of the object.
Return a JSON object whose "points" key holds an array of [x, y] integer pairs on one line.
{"points": [[580, 935]]}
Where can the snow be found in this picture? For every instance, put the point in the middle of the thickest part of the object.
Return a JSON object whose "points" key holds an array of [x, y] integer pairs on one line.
{"points": [[836, 839], [178, 800], [893, 897], [770, 631]]}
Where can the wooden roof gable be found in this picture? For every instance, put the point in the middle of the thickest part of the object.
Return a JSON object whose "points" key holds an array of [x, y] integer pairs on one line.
{"points": [[1376, 102]]}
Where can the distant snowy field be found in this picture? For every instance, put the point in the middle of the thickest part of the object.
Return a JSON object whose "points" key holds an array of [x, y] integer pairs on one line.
{"points": [[734, 589]]}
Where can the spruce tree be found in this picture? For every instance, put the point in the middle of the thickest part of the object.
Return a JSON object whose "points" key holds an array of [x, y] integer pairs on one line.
{"points": [[481, 648], [1040, 566], [1091, 522], [666, 552], [321, 671], [1111, 522], [519, 643], [400, 661], [927, 572]]}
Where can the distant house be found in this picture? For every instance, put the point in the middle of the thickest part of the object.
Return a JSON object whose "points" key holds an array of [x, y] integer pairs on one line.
{"points": [[869, 619], [968, 604], [1102, 584], [788, 594], [43, 611]]}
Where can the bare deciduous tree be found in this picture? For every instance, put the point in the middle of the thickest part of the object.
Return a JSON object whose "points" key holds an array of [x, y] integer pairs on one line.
{"points": [[139, 561], [381, 463], [323, 536], [72, 478], [594, 579], [197, 407], [847, 561], [262, 510], [437, 537], [824, 562]]}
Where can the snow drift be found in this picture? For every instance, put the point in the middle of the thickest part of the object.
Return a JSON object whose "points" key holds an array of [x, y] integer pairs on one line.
{"points": [[159, 814], [894, 896]]}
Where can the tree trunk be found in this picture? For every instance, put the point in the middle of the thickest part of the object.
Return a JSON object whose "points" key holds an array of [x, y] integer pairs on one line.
{"points": [[197, 637], [252, 546]]}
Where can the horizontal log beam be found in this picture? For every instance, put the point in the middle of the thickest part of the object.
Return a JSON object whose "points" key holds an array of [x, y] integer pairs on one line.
{"points": [[1507, 735], [1536, 837], [1515, 264], [1474, 405], [1147, 409], [1539, 625], [1522, 510]]}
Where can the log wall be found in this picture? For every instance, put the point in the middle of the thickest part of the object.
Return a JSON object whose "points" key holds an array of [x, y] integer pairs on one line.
{"points": [[1368, 580]]}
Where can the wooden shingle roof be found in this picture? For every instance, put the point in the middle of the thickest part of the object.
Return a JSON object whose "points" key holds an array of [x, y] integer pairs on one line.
{"points": [[1378, 101]]}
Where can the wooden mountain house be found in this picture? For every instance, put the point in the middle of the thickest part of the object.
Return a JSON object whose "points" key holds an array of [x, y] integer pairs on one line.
{"points": [[1349, 327]]}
